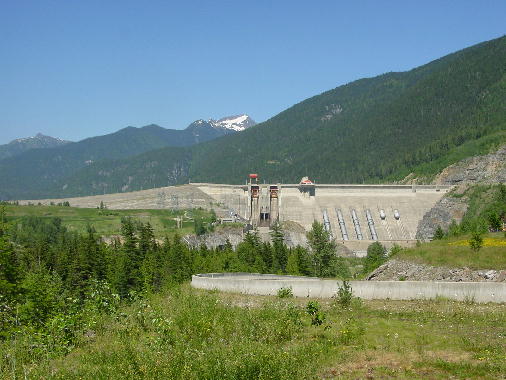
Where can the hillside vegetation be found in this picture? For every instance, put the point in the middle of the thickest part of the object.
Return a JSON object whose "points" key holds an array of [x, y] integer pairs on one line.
{"points": [[455, 252], [39, 171], [371, 130]]}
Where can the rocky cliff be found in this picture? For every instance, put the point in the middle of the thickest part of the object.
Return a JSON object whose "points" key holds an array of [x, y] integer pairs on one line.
{"points": [[486, 169]]}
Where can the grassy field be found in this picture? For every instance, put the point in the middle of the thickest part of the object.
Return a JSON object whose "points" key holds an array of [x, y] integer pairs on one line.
{"points": [[108, 222], [455, 252], [192, 334]]}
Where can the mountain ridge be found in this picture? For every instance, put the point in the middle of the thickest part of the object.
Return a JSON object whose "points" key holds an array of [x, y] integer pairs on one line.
{"points": [[23, 144], [371, 130], [41, 169]]}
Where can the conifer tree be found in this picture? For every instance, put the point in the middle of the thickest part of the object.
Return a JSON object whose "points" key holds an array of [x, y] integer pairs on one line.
{"points": [[280, 252], [9, 275], [323, 250]]}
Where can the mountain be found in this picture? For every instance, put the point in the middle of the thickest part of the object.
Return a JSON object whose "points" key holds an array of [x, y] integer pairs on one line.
{"points": [[377, 129], [235, 123], [22, 145], [37, 171], [202, 130]]}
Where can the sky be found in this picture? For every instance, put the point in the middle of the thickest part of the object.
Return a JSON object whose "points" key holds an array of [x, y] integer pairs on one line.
{"points": [[74, 69]]}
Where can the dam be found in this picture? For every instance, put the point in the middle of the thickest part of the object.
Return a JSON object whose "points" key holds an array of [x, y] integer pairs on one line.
{"points": [[354, 215]]}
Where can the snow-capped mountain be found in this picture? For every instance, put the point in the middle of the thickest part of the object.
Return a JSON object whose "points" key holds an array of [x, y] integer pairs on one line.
{"points": [[235, 123], [223, 126], [21, 145]]}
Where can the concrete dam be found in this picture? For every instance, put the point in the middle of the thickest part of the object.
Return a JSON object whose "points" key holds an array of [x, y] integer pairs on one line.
{"points": [[354, 215]]}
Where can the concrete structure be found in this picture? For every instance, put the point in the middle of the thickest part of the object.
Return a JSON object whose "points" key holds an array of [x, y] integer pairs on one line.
{"points": [[356, 215], [266, 284]]}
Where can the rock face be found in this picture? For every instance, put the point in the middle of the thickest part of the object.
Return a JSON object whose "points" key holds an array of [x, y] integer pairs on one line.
{"points": [[490, 168], [215, 240], [395, 270], [444, 211]]}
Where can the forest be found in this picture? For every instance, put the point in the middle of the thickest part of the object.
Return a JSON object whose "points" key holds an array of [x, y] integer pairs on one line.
{"points": [[52, 280]]}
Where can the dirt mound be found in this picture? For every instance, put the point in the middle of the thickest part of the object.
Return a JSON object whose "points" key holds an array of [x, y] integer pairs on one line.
{"points": [[399, 270]]}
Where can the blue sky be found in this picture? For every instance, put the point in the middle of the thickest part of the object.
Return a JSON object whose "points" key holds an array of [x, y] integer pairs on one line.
{"points": [[74, 69]]}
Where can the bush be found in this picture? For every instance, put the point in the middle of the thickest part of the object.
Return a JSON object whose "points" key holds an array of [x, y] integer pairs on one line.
{"points": [[476, 241], [285, 292], [344, 294], [439, 233], [317, 316], [396, 248], [376, 255]]}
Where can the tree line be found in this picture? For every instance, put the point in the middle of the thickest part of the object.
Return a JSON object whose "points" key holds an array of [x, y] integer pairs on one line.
{"points": [[48, 272]]}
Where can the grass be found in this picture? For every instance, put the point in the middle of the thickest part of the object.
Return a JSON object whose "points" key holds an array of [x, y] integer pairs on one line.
{"points": [[455, 252], [108, 222], [192, 334]]}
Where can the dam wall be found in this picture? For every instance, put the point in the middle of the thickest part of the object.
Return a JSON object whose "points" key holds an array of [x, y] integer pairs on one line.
{"points": [[266, 284], [394, 210]]}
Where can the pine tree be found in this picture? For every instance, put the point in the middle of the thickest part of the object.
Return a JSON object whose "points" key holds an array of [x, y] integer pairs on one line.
{"points": [[323, 250], [279, 248], [132, 257], [9, 275], [292, 266], [180, 265]]}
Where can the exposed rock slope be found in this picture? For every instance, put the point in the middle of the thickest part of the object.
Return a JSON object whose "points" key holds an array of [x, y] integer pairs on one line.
{"points": [[490, 168], [486, 169], [408, 271]]}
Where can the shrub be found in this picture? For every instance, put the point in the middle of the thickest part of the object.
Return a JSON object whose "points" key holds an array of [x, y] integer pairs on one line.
{"points": [[439, 233], [344, 294], [285, 292], [376, 255], [317, 316], [396, 248], [476, 241]]}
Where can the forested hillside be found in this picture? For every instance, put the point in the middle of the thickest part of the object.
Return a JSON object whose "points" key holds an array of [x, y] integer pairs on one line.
{"points": [[22, 145], [371, 130], [39, 171]]}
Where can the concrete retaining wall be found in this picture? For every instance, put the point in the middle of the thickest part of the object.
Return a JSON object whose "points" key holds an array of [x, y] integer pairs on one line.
{"points": [[313, 287]]}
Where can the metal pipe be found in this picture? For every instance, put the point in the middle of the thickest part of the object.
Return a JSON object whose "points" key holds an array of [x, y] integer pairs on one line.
{"points": [[326, 223], [370, 221], [354, 217], [342, 225]]}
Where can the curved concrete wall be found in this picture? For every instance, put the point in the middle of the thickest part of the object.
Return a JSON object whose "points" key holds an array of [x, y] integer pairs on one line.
{"points": [[313, 287]]}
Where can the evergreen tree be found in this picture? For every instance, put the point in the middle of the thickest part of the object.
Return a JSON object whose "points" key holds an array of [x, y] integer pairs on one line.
{"points": [[376, 255], [9, 275], [476, 241], [132, 255], [180, 265], [439, 233], [280, 256], [43, 296], [494, 222], [323, 250], [292, 265], [304, 261]]}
